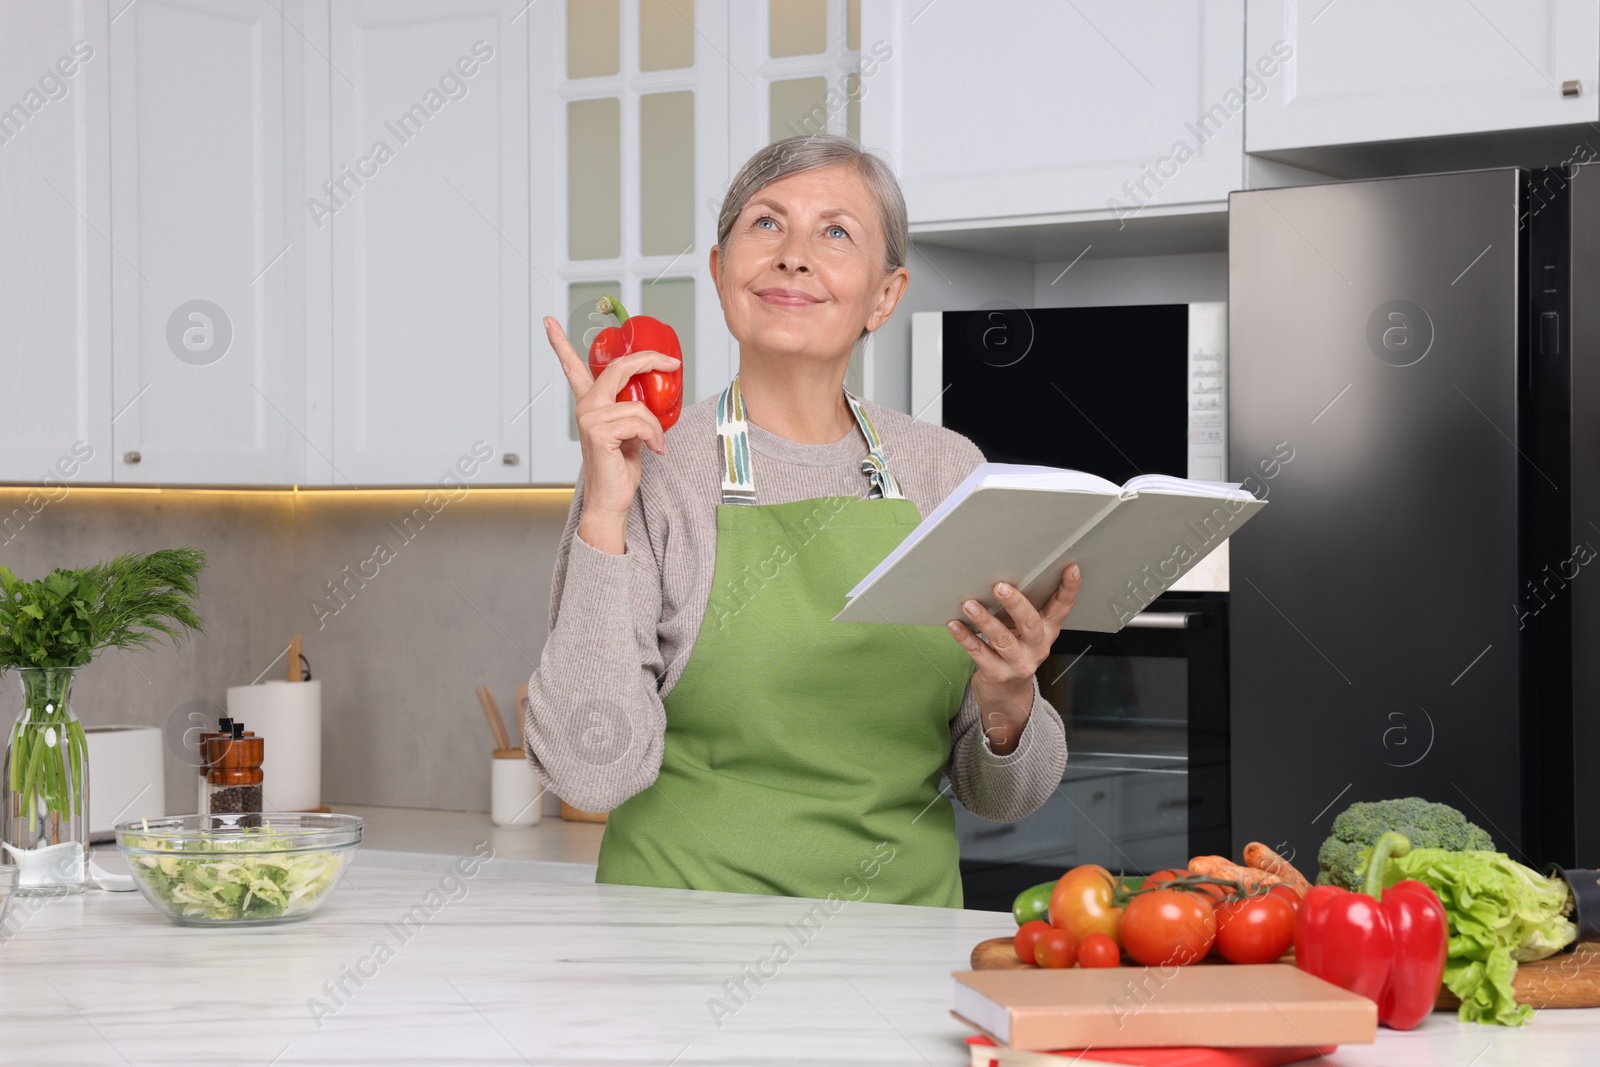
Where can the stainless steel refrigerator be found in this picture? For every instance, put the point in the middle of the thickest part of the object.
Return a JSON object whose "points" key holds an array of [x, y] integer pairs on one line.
{"points": [[1414, 384]]}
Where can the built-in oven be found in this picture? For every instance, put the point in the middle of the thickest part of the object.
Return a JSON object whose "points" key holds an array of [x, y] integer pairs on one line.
{"points": [[1116, 391], [1146, 780]]}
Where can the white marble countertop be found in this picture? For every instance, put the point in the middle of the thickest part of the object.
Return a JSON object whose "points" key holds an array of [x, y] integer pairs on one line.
{"points": [[501, 971], [423, 839]]}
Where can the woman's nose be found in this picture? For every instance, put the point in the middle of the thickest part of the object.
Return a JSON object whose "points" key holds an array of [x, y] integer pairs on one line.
{"points": [[793, 254]]}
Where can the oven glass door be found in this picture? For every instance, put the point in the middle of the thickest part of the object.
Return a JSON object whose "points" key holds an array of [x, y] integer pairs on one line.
{"points": [[1145, 785]]}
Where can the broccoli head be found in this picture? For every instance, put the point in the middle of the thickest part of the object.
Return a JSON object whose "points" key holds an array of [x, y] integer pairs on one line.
{"points": [[1425, 823]]}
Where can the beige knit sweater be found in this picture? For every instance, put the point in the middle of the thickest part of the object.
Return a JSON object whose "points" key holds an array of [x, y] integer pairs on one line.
{"points": [[622, 626]]}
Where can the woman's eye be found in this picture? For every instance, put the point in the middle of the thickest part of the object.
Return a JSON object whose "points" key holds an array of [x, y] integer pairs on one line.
{"points": [[841, 230], [764, 218]]}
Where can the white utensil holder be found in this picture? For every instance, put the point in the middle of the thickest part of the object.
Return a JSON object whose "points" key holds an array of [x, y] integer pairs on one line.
{"points": [[513, 790]]}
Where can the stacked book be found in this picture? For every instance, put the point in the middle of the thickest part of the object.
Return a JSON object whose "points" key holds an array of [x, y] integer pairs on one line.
{"points": [[1222, 1015]]}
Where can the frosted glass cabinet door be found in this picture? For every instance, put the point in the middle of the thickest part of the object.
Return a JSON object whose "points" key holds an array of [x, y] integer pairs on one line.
{"points": [[1010, 108], [55, 265], [1375, 70], [205, 262], [430, 243]]}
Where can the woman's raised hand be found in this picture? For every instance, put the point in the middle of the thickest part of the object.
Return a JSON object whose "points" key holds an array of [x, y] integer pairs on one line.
{"points": [[611, 433]]}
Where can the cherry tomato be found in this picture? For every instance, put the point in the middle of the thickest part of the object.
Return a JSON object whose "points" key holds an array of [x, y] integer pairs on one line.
{"points": [[1056, 948], [1081, 902], [1168, 926], [1028, 935], [1098, 950], [1255, 929]]}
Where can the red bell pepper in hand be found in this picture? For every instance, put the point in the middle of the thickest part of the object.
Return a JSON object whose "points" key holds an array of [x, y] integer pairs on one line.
{"points": [[660, 390], [1386, 945]]}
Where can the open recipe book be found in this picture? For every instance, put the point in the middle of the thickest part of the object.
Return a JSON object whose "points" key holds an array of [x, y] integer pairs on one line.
{"points": [[1024, 524]]}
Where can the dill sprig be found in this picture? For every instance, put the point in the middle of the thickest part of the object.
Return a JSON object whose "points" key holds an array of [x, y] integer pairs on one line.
{"points": [[64, 618]]}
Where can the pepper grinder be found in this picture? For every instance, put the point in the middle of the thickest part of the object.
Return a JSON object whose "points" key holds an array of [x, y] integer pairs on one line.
{"points": [[234, 777], [224, 729]]}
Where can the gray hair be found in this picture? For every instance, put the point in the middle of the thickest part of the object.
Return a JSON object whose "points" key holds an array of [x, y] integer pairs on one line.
{"points": [[812, 151]]}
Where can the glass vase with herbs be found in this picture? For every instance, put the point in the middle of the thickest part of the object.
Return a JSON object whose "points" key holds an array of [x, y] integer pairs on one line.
{"points": [[50, 628]]}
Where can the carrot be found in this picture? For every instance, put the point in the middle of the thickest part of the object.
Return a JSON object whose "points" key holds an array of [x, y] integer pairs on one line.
{"points": [[1222, 867], [1263, 858]]}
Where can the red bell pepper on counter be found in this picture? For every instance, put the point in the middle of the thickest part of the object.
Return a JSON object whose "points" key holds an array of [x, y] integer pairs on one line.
{"points": [[1386, 945], [660, 390]]}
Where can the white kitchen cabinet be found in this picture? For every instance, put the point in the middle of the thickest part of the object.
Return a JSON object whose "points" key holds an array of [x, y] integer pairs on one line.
{"points": [[427, 222], [1373, 70], [55, 264], [1017, 111], [634, 97], [205, 213]]}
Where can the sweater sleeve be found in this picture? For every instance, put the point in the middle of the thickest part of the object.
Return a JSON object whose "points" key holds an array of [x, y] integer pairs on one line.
{"points": [[1006, 788], [1001, 788], [595, 724]]}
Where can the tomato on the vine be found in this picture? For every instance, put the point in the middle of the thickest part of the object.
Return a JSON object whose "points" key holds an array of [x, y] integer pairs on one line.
{"points": [[1027, 938], [1168, 926], [1161, 877], [1056, 948], [1098, 950], [1165, 875], [1283, 892], [1082, 902], [1256, 929]]}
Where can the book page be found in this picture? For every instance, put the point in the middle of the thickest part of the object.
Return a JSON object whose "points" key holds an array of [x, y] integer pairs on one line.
{"points": [[1137, 551], [1166, 483], [997, 475], [996, 535]]}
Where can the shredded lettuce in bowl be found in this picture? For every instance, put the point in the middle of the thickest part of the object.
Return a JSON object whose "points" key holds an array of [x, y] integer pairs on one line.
{"points": [[245, 876]]}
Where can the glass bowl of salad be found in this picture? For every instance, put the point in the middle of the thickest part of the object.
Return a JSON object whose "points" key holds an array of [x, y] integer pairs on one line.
{"points": [[239, 870]]}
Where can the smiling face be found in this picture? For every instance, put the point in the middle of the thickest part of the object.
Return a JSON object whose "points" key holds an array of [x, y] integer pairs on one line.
{"points": [[803, 271]]}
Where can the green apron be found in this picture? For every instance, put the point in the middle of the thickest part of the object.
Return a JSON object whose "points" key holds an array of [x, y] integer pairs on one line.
{"points": [[802, 756]]}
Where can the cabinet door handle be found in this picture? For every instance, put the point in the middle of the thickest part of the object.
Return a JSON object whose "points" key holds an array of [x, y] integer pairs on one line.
{"points": [[1571, 87], [510, 459], [131, 457]]}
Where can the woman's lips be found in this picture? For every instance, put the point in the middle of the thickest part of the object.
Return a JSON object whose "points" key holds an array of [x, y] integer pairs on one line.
{"points": [[786, 299]]}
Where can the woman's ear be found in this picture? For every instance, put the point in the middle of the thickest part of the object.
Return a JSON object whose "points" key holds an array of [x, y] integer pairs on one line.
{"points": [[716, 271], [895, 284]]}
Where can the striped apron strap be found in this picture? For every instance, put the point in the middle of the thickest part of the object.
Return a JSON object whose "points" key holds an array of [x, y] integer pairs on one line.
{"points": [[738, 481], [875, 467], [738, 484]]}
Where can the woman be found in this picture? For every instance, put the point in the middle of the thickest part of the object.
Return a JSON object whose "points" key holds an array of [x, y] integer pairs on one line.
{"points": [[692, 683]]}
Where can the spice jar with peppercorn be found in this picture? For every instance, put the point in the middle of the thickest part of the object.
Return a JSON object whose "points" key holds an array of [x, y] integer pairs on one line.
{"points": [[233, 775]]}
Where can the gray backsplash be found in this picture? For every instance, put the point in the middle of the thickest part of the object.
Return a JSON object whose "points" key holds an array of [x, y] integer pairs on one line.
{"points": [[462, 598]]}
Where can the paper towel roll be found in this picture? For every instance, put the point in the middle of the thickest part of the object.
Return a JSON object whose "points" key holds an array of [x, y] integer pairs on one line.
{"points": [[288, 717]]}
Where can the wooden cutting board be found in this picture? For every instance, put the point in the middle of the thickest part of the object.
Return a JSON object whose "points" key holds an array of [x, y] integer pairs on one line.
{"points": [[1566, 980]]}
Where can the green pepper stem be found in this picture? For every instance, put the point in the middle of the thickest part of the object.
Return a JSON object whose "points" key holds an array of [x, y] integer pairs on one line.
{"points": [[610, 305], [1391, 845]]}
